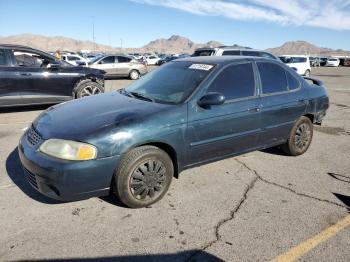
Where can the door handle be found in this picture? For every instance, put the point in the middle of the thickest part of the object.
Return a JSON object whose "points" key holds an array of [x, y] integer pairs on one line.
{"points": [[254, 110], [26, 74]]}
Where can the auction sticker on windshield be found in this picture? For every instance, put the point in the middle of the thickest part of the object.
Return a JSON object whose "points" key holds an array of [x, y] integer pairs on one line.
{"points": [[201, 67]]}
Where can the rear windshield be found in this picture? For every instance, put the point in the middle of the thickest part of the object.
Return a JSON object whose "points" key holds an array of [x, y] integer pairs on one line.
{"points": [[203, 53], [171, 83]]}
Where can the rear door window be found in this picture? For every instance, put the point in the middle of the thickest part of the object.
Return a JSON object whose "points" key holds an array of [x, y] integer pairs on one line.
{"points": [[266, 55], [3, 60], [273, 78], [250, 53], [235, 81], [108, 60], [123, 59], [293, 83], [203, 53], [231, 52]]}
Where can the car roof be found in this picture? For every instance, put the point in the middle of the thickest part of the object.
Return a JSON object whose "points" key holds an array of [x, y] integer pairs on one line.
{"points": [[229, 48], [221, 60], [18, 46], [293, 56]]}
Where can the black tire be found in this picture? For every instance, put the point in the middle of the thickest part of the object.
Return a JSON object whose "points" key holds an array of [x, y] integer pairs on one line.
{"points": [[136, 180], [300, 137], [307, 73], [134, 74], [87, 87]]}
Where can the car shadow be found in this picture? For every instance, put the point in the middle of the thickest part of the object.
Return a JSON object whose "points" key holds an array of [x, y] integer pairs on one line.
{"points": [[16, 174], [25, 108], [343, 198], [275, 151], [175, 257]]}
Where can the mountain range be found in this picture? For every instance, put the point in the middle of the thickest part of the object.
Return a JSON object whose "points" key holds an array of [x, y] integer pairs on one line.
{"points": [[174, 44]]}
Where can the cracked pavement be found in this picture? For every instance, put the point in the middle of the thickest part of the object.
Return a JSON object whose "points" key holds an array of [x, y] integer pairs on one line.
{"points": [[252, 207]]}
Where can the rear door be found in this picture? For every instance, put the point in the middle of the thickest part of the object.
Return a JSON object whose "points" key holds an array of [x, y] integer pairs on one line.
{"points": [[9, 94], [123, 65], [230, 128], [282, 102]]}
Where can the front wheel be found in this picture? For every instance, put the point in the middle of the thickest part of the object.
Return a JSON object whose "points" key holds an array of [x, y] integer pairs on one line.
{"points": [[87, 88], [143, 176], [300, 137]]}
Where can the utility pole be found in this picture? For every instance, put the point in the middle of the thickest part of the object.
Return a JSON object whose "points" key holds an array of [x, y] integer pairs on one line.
{"points": [[93, 34], [121, 45]]}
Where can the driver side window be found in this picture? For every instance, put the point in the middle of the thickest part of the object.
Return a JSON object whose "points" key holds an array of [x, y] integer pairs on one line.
{"points": [[235, 82], [31, 59]]}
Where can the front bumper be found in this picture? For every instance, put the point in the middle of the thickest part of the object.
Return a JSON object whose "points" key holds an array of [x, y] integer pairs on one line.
{"points": [[66, 180]]}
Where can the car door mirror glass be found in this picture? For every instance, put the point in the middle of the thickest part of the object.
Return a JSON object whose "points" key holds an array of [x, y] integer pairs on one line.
{"points": [[53, 65], [211, 99]]}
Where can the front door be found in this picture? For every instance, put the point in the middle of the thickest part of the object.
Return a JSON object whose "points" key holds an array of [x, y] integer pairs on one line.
{"points": [[36, 82], [9, 94], [230, 128]]}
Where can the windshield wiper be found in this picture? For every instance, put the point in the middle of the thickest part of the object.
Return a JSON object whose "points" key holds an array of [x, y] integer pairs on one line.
{"points": [[141, 96]]}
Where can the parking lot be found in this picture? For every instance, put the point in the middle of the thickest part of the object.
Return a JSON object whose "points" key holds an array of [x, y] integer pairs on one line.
{"points": [[255, 207]]}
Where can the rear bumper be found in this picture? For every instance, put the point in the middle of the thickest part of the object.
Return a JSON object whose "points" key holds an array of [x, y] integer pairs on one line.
{"points": [[66, 180]]}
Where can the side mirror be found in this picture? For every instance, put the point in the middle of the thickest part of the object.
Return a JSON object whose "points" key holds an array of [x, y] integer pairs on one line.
{"points": [[211, 99], [53, 65]]}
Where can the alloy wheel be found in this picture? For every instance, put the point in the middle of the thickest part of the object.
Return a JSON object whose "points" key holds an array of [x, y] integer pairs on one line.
{"points": [[302, 137], [90, 90]]}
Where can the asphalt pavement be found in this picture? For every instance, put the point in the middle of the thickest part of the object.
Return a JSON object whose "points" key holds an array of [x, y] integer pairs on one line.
{"points": [[255, 207]]}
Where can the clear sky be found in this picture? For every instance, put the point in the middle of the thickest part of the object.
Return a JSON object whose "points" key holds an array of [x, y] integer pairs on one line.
{"points": [[255, 23]]}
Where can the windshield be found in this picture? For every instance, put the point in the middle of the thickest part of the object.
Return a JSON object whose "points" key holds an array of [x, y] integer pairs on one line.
{"points": [[172, 82]]}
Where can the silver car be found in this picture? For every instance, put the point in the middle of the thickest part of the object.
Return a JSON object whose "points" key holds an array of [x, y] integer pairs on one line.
{"points": [[119, 65]]}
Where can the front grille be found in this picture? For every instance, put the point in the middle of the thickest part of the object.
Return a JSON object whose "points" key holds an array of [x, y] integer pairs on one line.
{"points": [[33, 137], [31, 178]]}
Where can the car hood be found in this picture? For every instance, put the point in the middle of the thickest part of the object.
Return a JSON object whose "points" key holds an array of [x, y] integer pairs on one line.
{"points": [[83, 70], [84, 118]]}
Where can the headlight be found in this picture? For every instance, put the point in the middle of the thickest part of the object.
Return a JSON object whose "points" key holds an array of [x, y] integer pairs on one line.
{"points": [[68, 150]]}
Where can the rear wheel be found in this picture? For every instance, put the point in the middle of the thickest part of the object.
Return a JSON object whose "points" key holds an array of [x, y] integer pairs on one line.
{"points": [[134, 75], [87, 88], [307, 73], [143, 176], [300, 137]]}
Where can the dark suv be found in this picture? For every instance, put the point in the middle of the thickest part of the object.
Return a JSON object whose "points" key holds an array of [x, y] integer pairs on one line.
{"points": [[29, 76]]}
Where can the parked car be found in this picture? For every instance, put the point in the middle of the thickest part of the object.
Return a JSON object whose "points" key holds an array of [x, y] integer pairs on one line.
{"points": [[323, 61], [152, 60], [29, 76], [299, 63], [347, 62], [315, 61], [119, 65], [186, 113], [231, 51], [333, 62], [75, 60], [166, 60]]}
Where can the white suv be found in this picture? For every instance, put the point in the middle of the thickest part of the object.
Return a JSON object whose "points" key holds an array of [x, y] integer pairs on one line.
{"points": [[300, 63], [232, 51], [75, 60], [333, 61]]}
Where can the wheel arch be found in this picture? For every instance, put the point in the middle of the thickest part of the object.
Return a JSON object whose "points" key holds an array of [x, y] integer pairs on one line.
{"points": [[86, 78]]}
